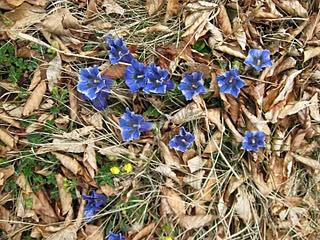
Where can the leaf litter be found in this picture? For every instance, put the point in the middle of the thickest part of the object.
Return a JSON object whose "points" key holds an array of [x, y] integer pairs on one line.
{"points": [[56, 147]]}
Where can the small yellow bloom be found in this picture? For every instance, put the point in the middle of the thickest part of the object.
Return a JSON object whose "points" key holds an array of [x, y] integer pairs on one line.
{"points": [[115, 170], [128, 168], [168, 238]]}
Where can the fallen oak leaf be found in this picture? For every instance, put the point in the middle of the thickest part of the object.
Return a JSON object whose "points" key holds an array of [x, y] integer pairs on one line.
{"points": [[34, 101]]}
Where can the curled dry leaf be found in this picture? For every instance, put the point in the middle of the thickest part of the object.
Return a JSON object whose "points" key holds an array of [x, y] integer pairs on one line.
{"points": [[194, 180], [35, 79], [5, 173], [54, 72], [146, 231], [89, 157], [68, 162], [166, 171], [293, 108], [153, 6], [258, 123], [65, 196], [112, 7], [314, 164], [169, 157], [93, 232], [155, 28], [197, 221], [195, 24], [243, 205], [214, 116], [8, 119], [229, 50], [5, 217], [214, 143], [73, 102], [239, 33], [216, 37], [189, 113], [314, 108], [174, 200], [63, 145], [311, 53], [6, 137], [224, 21], [68, 233], [292, 7], [78, 133], [35, 99], [195, 164], [173, 7]]}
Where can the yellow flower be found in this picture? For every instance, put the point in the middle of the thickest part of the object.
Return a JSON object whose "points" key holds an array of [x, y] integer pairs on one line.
{"points": [[168, 238], [115, 170], [128, 168]]}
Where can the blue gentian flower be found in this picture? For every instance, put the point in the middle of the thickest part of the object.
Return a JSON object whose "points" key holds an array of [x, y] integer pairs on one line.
{"points": [[258, 59], [135, 76], [253, 140], [95, 201], [118, 50], [115, 236], [158, 80], [183, 141], [192, 85], [230, 82], [100, 102], [91, 82], [132, 125]]}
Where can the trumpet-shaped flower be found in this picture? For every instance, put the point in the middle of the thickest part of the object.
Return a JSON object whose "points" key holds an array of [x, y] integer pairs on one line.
{"points": [[192, 85], [158, 80], [253, 140], [118, 50], [95, 202], [135, 76], [132, 125], [230, 82], [115, 236], [91, 82], [182, 141], [258, 59]]}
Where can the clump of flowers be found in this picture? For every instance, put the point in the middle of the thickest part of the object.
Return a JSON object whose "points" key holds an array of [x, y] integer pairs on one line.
{"points": [[158, 80], [230, 82], [253, 140], [94, 86], [115, 170], [258, 59], [132, 125], [115, 236], [135, 76], [182, 141], [95, 201], [192, 85], [118, 50]]}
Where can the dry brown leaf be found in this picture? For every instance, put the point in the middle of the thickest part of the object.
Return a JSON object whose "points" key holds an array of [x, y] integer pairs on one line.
{"points": [[155, 28], [65, 196], [166, 171], [93, 232], [114, 71], [314, 164], [146, 231], [173, 7], [311, 53], [216, 37], [214, 116], [243, 205], [63, 145], [258, 179], [292, 7], [229, 50], [5, 218], [89, 157], [68, 233], [153, 6], [195, 24], [197, 221], [189, 113], [258, 123], [214, 143], [107, 190], [6, 137], [15, 3], [169, 157], [195, 164], [314, 108], [205, 194], [92, 8], [174, 200], [194, 180], [8, 119], [54, 72], [293, 108], [112, 7], [42, 207], [34, 101], [68, 162], [35, 79], [224, 21], [78, 133], [96, 120], [239, 33], [238, 137], [233, 185], [5, 173], [73, 102]]}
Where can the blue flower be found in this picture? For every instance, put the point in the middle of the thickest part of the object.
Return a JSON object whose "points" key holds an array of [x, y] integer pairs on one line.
{"points": [[258, 59], [253, 140], [118, 50], [95, 202], [230, 82], [100, 102], [91, 82], [115, 236], [135, 76], [132, 125], [192, 85], [182, 141], [158, 80]]}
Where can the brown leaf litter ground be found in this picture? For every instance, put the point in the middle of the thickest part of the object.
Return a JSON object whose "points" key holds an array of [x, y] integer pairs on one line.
{"points": [[55, 147]]}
